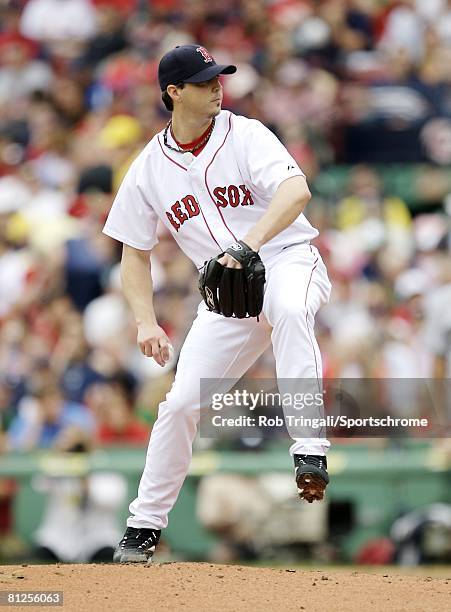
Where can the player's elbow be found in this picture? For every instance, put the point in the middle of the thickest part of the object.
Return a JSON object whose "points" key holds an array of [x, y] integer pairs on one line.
{"points": [[295, 192], [306, 196], [300, 191], [303, 197]]}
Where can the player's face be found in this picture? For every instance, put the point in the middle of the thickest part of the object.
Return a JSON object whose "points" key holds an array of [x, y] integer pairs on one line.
{"points": [[204, 98]]}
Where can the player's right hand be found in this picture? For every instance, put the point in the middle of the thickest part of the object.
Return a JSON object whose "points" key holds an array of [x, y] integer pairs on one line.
{"points": [[153, 342]]}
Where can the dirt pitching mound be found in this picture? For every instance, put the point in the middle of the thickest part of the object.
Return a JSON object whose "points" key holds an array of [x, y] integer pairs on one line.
{"points": [[203, 587]]}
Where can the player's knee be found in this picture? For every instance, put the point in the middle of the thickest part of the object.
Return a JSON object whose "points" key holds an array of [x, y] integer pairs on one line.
{"points": [[292, 312], [180, 407]]}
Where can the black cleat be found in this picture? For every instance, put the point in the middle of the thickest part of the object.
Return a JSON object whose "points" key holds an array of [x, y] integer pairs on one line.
{"points": [[311, 476], [137, 545]]}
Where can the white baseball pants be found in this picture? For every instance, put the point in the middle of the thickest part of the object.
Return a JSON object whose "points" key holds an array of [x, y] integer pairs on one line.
{"points": [[225, 348]]}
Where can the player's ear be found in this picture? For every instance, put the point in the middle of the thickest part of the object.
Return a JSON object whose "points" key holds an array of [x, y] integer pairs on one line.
{"points": [[174, 92]]}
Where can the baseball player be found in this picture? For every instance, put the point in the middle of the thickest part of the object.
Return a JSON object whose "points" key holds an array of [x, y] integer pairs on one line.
{"points": [[232, 196]]}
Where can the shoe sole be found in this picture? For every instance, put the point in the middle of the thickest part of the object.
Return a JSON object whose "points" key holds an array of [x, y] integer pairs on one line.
{"points": [[311, 487], [132, 557]]}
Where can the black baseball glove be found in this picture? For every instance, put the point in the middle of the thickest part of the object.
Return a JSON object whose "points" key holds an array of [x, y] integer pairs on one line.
{"points": [[234, 292]]}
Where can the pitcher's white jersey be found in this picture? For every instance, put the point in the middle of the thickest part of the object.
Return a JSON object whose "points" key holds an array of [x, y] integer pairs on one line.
{"points": [[209, 201]]}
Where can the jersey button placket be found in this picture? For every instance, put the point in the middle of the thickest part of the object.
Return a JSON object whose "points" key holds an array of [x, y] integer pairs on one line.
{"points": [[195, 179]]}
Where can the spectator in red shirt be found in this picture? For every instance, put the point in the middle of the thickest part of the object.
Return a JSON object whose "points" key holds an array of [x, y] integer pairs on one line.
{"points": [[113, 405]]}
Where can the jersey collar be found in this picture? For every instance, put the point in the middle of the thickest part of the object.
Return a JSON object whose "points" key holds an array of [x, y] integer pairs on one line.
{"points": [[188, 160]]}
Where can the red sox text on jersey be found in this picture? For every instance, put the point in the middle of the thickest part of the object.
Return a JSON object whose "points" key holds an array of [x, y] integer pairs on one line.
{"points": [[187, 207]]}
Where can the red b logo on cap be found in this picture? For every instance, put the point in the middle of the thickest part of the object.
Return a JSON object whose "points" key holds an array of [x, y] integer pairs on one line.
{"points": [[207, 57]]}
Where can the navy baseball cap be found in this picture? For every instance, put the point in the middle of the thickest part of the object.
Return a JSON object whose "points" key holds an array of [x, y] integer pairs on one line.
{"points": [[189, 64]]}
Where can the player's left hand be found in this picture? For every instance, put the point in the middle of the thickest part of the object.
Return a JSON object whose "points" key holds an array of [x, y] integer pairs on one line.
{"points": [[232, 284]]}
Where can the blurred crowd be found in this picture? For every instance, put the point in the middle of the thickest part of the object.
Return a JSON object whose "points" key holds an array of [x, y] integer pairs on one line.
{"points": [[339, 81]]}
